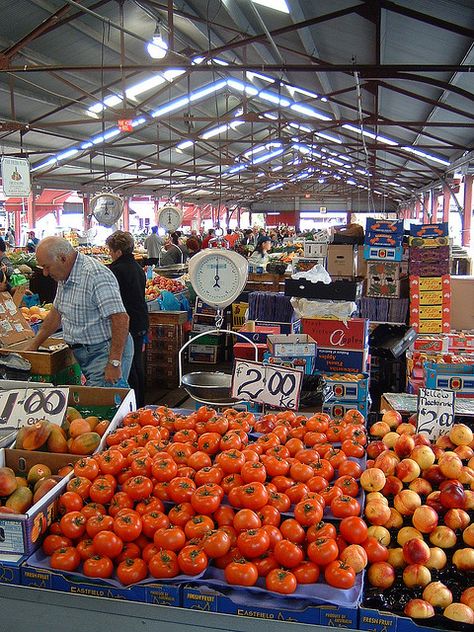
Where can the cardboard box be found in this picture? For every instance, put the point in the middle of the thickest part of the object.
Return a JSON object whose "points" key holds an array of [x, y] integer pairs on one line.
{"points": [[347, 390], [246, 351], [429, 231], [300, 264], [245, 604], [382, 240], [10, 569], [331, 360], [341, 260], [392, 227], [291, 345], [383, 279], [462, 302], [314, 250], [54, 355], [428, 242], [383, 254], [429, 255], [361, 264], [350, 335], [339, 408], [460, 382], [203, 354], [13, 326], [430, 269], [378, 621], [75, 583]]}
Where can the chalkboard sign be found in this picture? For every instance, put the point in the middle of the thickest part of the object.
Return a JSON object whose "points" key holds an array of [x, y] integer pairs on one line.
{"points": [[267, 384], [26, 406], [435, 412]]}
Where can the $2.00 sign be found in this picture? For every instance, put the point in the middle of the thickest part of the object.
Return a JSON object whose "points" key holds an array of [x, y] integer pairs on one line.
{"points": [[435, 412], [266, 383], [26, 406]]}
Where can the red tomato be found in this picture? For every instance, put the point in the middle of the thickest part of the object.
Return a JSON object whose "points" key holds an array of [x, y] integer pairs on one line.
{"points": [[207, 498], [321, 530], [93, 509], [323, 551], [87, 467], [111, 461], [85, 548], [52, 543], [101, 491], [280, 501], [216, 543], [246, 519], [376, 552], [241, 573], [107, 543], [269, 515], [120, 500], [339, 575], [65, 559], [224, 515], [288, 553], [192, 560], [280, 581], [308, 512], [180, 514], [98, 566], [138, 487], [253, 542], [152, 521], [353, 530], [128, 526], [350, 468], [297, 492], [345, 506], [306, 572], [292, 530], [198, 526], [131, 571], [70, 501], [73, 525], [130, 550], [172, 538], [164, 564], [181, 489], [98, 523], [348, 485]]}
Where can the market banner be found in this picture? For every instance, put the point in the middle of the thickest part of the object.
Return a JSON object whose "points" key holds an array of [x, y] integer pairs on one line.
{"points": [[16, 177]]}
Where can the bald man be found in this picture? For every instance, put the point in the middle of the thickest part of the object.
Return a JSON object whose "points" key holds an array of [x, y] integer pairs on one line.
{"points": [[89, 308]]}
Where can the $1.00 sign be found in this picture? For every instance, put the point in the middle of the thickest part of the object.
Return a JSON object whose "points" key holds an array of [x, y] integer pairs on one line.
{"points": [[435, 412], [268, 384], [26, 406]]}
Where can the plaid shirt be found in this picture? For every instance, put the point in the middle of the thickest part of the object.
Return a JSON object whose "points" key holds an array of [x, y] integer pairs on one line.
{"points": [[86, 300]]}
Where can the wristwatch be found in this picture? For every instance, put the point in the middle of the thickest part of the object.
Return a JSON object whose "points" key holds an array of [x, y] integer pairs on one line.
{"points": [[115, 363]]}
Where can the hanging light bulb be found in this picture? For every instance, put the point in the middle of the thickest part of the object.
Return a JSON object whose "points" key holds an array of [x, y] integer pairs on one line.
{"points": [[157, 47]]}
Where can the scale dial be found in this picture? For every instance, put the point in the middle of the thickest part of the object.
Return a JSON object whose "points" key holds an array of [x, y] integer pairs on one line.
{"points": [[218, 276], [169, 218]]}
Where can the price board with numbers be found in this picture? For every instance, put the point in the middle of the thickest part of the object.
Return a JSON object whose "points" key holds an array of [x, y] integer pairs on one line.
{"points": [[269, 384], [435, 412], [26, 406]]}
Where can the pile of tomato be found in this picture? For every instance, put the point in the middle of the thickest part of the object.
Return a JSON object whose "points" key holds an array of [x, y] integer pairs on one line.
{"points": [[173, 494]]}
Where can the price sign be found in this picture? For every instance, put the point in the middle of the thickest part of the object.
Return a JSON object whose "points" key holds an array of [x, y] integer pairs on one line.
{"points": [[435, 412], [26, 406], [268, 384]]}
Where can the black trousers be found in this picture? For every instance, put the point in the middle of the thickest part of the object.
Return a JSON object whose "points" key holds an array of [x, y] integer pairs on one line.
{"points": [[136, 379]]}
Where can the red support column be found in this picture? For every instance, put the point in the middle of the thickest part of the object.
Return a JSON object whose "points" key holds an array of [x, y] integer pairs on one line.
{"points": [[468, 208], [426, 201], [30, 211], [433, 207], [126, 214], [417, 208], [446, 201]]}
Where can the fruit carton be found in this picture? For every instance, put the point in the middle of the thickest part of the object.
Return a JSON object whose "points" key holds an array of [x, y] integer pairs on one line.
{"points": [[37, 576], [243, 603], [331, 360], [352, 388], [291, 345], [10, 568], [339, 408], [383, 253], [329, 332], [21, 533], [387, 226], [382, 240], [456, 377], [429, 231], [314, 250], [379, 621]]}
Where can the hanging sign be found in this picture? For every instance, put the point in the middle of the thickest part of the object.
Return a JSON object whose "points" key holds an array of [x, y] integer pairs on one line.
{"points": [[125, 125], [435, 412], [16, 177], [26, 406], [268, 384]]}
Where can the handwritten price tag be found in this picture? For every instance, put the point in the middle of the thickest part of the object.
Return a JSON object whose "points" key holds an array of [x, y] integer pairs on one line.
{"points": [[435, 412], [268, 384], [26, 406]]}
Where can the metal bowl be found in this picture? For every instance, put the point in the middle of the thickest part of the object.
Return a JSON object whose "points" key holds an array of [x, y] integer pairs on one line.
{"points": [[211, 387]]}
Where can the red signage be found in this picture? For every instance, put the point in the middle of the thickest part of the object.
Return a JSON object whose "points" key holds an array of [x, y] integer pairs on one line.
{"points": [[337, 334]]}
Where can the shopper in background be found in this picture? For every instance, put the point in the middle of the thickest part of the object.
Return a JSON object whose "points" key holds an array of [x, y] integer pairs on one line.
{"points": [[153, 245], [259, 258], [231, 237], [32, 241], [211, 233], [193, 244], [5, 263], [10, 238], [89, 308], [175, 252], [132, 280]]}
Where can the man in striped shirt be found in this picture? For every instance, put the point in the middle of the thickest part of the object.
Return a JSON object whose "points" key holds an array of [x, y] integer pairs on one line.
{"points": [[90, 310]]}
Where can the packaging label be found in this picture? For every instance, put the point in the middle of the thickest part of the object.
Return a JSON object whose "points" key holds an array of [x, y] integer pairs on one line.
{"points": [[335, 333]]}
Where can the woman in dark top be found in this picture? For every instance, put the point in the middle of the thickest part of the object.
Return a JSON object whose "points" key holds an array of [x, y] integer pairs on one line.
{"points": [[131, 279]]}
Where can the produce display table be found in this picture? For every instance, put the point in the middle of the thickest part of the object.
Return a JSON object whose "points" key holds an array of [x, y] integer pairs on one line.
{"points": [[27, 609]]}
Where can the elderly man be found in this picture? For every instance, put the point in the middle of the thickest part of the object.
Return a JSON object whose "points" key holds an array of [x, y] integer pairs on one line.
{"points": [[89, 308]]}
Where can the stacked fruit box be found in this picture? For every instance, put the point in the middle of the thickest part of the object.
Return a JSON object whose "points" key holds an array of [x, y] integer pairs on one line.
{"points": [[430, 293], [165, 338], [383, 251]]}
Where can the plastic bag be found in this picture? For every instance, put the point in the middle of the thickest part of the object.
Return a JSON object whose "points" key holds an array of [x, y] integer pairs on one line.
{"points": [[31, 300], [17, 279], [339, 310], [317, 274], [168, 302]]}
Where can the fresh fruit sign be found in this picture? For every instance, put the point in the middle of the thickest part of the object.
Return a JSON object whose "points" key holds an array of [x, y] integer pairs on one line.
{"points": [[435, 412], [26, 406]]}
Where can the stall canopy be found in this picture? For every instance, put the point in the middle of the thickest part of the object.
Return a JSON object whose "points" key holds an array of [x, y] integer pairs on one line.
{"points": [[48, 201]]}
